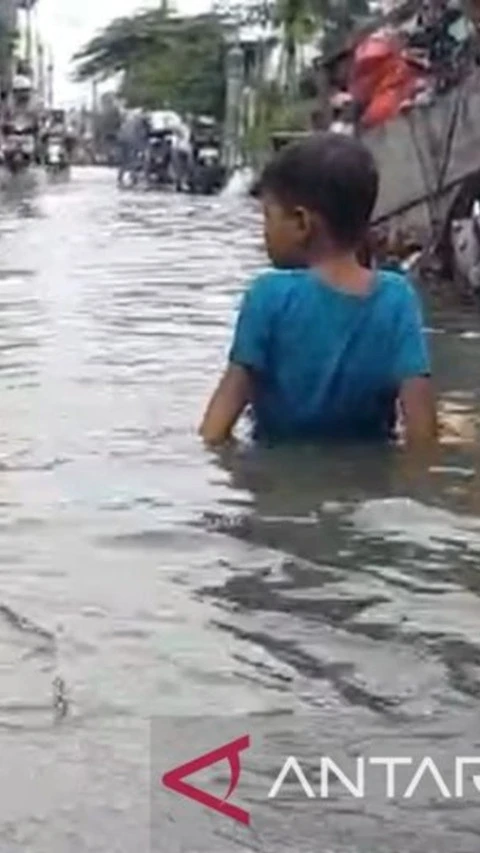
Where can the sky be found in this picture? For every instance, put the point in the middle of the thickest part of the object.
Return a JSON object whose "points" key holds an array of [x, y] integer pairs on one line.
{"points": [[68, 24]]}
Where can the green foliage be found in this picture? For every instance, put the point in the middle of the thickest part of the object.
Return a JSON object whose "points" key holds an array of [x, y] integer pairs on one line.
{"points": [[300, 20], [291, 110], [164, 59], [275, 114]]}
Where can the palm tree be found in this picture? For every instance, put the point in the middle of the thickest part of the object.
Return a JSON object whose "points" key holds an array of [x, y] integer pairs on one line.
{"points": [[299, 20]]}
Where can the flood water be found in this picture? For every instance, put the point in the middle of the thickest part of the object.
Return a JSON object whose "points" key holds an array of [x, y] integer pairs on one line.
{"points": [[143, 577]]}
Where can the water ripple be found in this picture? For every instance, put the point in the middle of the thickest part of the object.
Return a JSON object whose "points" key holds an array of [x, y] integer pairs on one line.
{"points": [[142, 576]]}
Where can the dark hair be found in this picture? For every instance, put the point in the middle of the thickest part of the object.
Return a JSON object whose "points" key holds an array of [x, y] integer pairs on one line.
{"points": [[331, 174]]}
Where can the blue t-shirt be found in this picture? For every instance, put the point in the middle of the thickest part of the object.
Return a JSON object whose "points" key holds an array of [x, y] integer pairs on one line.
{"points": [[328, 364]]}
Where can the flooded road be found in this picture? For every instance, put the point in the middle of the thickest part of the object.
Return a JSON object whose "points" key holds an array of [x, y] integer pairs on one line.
{"points": [[142, 577]]}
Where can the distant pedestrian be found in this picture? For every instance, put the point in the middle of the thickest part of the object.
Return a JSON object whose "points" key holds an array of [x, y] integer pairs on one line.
{"points": [[132, 142]]}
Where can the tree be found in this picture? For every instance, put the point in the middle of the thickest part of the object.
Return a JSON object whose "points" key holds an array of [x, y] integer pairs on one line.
{"points": [[298, 22], [165, 57], [162, 58]]}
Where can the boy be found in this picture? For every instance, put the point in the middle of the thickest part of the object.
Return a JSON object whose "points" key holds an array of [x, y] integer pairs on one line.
{"points": [[324, 347]]}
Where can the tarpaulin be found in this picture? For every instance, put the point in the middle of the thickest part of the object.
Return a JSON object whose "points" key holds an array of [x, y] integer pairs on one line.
{"points": [[382, 78]]}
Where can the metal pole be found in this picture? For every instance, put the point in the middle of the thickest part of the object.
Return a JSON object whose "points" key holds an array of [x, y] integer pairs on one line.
{"points": [[234, 73], [50, 78], [94, 96], [29, 39], [41, 70]]}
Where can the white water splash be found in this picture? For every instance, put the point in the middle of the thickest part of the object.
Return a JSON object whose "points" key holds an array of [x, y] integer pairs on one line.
{"points": [[239, 184], [406, 520]]}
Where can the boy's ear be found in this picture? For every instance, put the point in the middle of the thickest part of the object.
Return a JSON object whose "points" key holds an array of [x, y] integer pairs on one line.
{"points": [[303, 219]]}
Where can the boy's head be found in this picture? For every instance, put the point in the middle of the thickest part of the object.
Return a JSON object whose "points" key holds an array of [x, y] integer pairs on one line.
{"points": [[318, 195]]}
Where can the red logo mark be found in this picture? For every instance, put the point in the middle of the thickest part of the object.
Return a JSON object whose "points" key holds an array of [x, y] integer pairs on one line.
{"points": [[174, 779]]}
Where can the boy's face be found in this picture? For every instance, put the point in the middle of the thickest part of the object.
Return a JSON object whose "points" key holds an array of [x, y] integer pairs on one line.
{"points": [[287, 233]]}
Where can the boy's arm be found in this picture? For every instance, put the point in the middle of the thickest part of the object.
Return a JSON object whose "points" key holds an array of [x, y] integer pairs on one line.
{"points": [[227, 404], [419, 407], [413, 373], [247, 362]]}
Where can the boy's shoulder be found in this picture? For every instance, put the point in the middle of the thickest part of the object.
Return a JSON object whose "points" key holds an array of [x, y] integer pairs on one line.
{"points": [[271, 281], [276, 275], [393, 278], [272, 286], [396, 287]]}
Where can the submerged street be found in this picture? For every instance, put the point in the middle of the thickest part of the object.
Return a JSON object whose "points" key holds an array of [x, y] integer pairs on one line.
{"points": [[143, 577]]}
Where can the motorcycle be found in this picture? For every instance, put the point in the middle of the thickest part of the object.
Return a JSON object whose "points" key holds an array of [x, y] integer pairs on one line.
{"points": [[159, 158], [207, 175], [56, 159], [19, 150]]}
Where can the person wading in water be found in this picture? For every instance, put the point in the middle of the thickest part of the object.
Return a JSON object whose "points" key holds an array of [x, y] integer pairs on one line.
{"points": [[324, 348]]}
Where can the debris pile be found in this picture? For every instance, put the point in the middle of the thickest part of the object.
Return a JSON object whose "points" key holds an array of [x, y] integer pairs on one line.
{"points": [[397, 66]]}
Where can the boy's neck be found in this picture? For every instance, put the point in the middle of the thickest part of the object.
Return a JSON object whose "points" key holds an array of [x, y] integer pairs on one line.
{"points": [[343, 271]]}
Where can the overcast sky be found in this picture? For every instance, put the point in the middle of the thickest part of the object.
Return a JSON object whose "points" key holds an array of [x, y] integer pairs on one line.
{"points": [[68, 24]]}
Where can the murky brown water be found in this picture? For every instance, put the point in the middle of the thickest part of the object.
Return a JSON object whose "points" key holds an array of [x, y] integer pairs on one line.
{"points": [[141, 576]]}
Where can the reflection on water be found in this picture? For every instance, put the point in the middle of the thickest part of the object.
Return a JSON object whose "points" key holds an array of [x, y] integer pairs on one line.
{"points": [[143, 576]]}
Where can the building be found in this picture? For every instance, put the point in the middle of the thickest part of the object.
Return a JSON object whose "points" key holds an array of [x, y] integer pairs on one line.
{"points": [[15, 15], [8, 14], [256, 57], [25, 10], [8, 26], [249, 60]]}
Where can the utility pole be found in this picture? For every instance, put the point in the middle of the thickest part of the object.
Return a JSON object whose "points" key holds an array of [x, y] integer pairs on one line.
{"points": [[94, 96], [29, 38], [50, 79], [233, 129], [41, 70]]}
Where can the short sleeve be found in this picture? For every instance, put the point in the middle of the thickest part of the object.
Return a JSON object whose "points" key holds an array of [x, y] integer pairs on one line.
{"points": [[411, 355], [253, 328]]}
